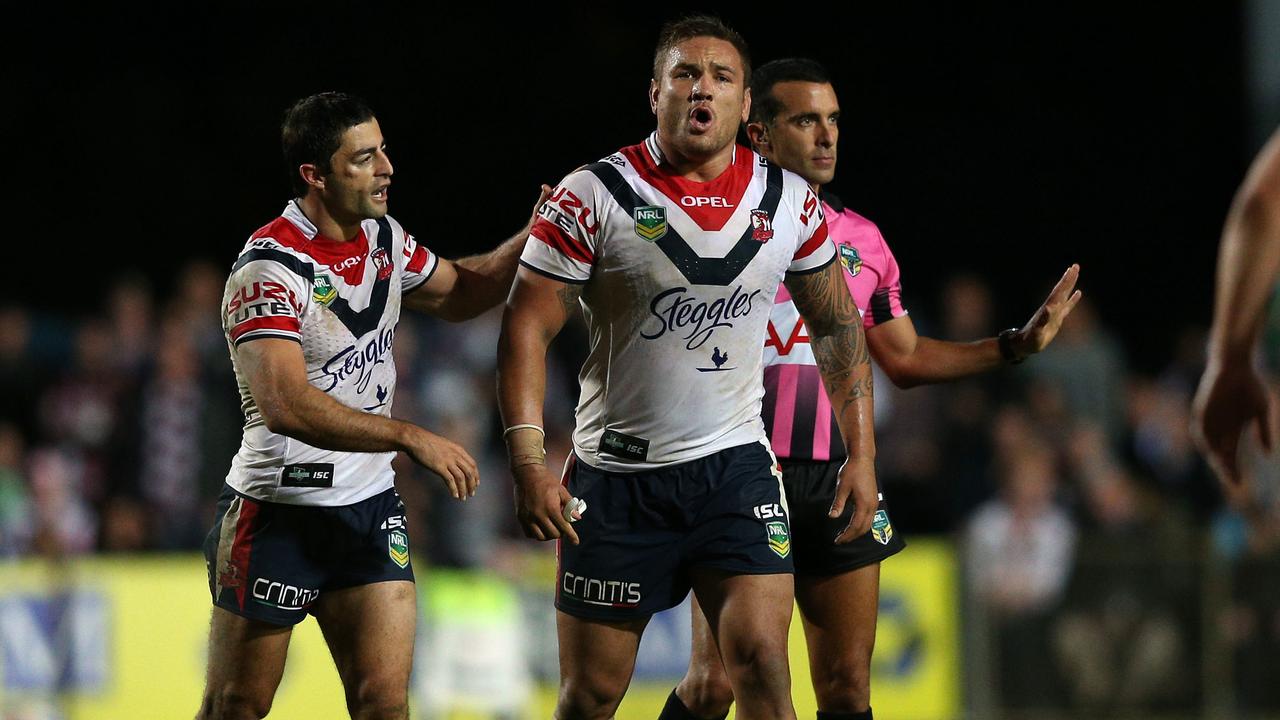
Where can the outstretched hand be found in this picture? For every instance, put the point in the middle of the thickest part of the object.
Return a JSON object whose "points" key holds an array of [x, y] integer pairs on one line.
{"points": [[1043, 326]]}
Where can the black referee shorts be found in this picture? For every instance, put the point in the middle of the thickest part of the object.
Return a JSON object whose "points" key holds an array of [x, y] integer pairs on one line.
{"points": [[810, 486]]}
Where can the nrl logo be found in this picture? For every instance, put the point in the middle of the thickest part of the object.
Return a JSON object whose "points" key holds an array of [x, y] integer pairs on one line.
{"points": [[850, 259], [651, 222], [398, 547], [779, 538], [881, 530], [323, 291]]}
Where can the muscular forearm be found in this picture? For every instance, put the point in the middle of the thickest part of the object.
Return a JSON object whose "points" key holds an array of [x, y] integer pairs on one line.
{"points": [[934, 361], [307, 414], [522, 373], [538, 308], [1247, 267], [845, 366], [483, 280]]}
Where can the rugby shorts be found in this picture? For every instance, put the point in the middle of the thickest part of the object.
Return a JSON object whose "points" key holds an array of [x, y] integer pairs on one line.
{"points": [[643, 532], [272, 561]]}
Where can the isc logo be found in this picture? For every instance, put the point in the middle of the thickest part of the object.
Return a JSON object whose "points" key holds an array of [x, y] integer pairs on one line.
{"points": [[769, 510], [691, 201]]}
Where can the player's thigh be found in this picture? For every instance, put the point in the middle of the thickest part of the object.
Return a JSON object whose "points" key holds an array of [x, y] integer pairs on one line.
{"points": [[246, 658], [747, 614], [705, 656], [370, 632], [597, 658], [839, 616]]}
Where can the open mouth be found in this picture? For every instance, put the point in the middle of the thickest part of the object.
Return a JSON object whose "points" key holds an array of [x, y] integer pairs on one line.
{"points": [[381, 193], [700, 119]]}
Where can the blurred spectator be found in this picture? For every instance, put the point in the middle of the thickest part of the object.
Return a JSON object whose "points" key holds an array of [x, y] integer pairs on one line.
{"points": [[969, 404], [198, 305], [1019, 548], [1087, 367], [80, 412], [132, 319], [65, 523], [1123, 636], [22, 377], [16, 525], [170, 410]]}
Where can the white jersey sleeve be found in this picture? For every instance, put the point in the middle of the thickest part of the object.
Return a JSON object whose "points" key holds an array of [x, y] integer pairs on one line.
{"points": [[814, 249], [562, 243], [419, 264], [266, 296]]}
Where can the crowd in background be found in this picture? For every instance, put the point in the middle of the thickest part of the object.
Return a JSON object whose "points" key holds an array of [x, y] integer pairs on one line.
{"points": [[1089, 528]]}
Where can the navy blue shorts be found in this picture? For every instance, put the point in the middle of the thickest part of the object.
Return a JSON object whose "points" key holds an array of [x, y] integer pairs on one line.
{"points": [[270, 561], [642, 532], [810, 487]]}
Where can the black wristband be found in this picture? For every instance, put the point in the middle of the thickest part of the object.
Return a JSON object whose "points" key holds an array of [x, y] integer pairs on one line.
{"points": [[1005, 342]]}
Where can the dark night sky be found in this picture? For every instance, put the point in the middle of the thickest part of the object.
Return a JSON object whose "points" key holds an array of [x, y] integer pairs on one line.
{"points": [[1008, 143]]}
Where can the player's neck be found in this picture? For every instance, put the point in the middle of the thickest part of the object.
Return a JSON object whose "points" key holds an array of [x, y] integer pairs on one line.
{"points": [[326, 224], [695, 167]]}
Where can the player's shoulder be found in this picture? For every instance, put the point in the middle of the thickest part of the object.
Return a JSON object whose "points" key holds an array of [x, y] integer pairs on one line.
{"points": [[280, 242], [795, 189], [845, 222]]}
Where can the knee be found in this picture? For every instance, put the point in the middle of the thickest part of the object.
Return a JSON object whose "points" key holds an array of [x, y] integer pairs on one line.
{"points": [[843, 684], [233, 703], [706, 693], [761, 664], [588, 698], [372, 699]]}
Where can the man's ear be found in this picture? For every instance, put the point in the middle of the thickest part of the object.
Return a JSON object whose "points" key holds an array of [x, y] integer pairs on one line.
{"points": [[758, 134], [311, 175]]}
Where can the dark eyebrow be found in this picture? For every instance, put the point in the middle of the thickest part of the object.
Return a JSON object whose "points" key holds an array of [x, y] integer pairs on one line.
{"points": [[724, 68], [367, 151], [804, 116]]}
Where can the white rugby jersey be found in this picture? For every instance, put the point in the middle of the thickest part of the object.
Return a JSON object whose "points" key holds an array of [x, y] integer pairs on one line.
{"points": [[340, 301], [679, 278]]}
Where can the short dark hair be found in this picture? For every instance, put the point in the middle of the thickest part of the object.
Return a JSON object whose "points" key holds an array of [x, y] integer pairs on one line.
{"points": [[312, 131], [695, 26], [764, 106]]}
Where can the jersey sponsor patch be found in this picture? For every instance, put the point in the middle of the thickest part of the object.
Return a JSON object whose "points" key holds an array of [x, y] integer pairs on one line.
{"points": [[318, 475], [617, 444], [651, 222]]}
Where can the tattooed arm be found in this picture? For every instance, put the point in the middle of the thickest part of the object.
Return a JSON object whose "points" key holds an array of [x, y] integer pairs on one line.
{"points": [[536, 310], [835, 334]]}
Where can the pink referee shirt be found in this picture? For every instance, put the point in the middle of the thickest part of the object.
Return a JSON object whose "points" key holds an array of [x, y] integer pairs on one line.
{"points": [[796, 410]]}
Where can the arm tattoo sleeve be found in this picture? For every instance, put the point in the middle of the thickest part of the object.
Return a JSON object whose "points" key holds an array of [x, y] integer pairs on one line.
{"points": [[569, 295], [835, 333]]}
